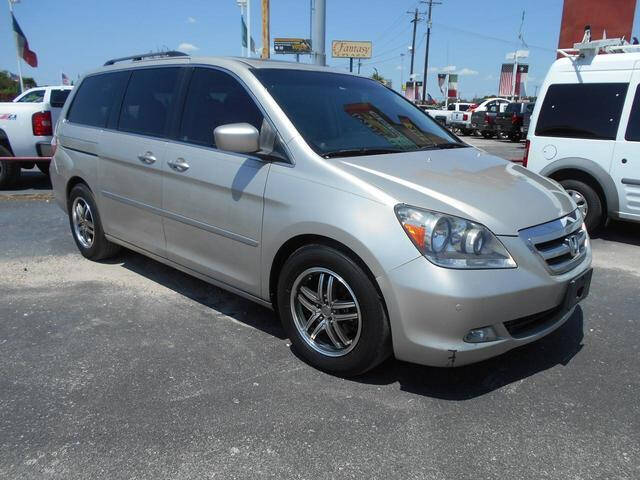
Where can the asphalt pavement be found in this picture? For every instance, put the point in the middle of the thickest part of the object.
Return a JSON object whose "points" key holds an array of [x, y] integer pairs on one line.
{"points": [[130, 369]]}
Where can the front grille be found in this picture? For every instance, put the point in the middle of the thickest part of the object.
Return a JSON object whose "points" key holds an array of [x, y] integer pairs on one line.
{"points": [[561, 244], [531, 324]]}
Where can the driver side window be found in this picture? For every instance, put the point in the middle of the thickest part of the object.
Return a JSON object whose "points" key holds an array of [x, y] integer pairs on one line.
{"points": [[215, 98]]}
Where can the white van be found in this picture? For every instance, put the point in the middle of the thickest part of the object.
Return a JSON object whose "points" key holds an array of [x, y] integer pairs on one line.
{"points": [[585, 130]]}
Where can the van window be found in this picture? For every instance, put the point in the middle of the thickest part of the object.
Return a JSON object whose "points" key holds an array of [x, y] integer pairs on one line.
{"points": [[633, 127], [58, 97], [215, 98], [587, 110], [148, 101], [95, 98], [37, 96]]}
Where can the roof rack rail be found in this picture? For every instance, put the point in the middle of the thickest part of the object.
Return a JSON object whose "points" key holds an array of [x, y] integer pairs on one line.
{"points": [[594, 47], [135, 58]]}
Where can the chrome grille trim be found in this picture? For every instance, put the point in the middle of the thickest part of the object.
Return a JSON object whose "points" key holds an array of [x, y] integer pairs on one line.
{"points": [[554, 241]]}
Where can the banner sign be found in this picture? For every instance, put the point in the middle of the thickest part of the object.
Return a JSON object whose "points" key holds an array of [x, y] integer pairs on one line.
{"points": [[413, 91], [452, 90], [351, 49], [442, 78], [292, 45]]}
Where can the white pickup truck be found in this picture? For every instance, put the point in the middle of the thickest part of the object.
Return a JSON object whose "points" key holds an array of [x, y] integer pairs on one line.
{"points": [[444, 116], [461, 121], [26, 128]]}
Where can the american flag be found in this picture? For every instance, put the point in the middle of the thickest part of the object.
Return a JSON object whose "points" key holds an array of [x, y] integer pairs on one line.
{"points": [[506, 79], [65, 79]]}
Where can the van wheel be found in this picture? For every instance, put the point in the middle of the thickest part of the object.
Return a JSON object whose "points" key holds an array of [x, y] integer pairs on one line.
{"points": [[332, 312], [588, 201], [9, 171], [86, 227]]}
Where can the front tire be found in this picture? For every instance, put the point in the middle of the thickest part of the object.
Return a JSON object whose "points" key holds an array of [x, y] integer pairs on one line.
{"points": [[588, 201], [86, 227], [332, 312]]}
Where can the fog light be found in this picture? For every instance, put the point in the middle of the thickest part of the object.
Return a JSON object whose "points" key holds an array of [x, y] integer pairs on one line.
{"points": [[480, 335]]}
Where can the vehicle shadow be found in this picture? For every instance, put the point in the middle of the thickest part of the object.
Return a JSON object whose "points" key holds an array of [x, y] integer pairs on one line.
{"points": [[210, 296], [470, 381], [460, 383], [30, 180], [622, 232]]}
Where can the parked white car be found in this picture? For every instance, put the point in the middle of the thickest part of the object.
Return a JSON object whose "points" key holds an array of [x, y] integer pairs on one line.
{"points": [[461, 120], [444, 116], [26, 129], [585, 132]]}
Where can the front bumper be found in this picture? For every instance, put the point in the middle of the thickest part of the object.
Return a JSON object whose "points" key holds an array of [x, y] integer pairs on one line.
{"points": [[431, 308]]}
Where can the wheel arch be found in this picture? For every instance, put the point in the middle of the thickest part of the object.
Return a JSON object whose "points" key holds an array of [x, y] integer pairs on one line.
{"points": [[73, 181], [294, 243], [4, 141], [588, 172]]}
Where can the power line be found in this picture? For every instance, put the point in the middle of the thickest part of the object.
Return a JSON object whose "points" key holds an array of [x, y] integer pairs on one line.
{"points": [[489, 37]]}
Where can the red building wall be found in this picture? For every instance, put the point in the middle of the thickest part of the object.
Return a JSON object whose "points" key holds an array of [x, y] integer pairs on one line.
{"points": [[614, 16]]}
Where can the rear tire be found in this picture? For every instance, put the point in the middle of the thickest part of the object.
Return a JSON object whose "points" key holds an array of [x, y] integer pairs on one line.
{"points": [[587, 200], [356, 343], [9, 170], [86, 226]]}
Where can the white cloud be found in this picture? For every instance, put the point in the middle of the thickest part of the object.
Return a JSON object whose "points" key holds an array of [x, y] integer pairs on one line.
{"points": [[489, 77], [187, 47], [447, 69], [467, 71], [191, 20]]}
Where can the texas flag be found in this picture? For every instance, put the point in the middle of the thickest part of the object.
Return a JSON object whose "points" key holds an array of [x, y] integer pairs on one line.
{"points": [[23, 45]]}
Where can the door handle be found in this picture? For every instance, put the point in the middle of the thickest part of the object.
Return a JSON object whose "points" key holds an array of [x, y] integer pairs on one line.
{"points": [[179, 165], [147, 158]]}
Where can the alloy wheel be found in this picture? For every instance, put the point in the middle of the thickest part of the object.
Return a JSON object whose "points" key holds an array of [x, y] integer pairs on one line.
{"points": [[326, 312], [580, 200], [83, 224]]}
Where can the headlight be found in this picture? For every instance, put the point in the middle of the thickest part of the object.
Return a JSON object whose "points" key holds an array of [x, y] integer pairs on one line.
{"points": [[453, 242]]}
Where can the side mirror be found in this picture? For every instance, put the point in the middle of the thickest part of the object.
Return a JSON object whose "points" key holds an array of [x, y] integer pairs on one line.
{"points": [[237, 137]]}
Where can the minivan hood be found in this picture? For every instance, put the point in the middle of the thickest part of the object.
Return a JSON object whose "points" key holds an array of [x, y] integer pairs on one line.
{"points": [[466, 182]]}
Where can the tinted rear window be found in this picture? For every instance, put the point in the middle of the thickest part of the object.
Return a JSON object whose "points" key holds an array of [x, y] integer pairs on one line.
{"points": [[96, 97], [148, 101], [587, 110], [58, 97]]}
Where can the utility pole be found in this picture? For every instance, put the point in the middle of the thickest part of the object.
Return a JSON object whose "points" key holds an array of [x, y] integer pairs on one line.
{"points": [[266, 38], [319, 18], [431, 3], [359, 65], [413, 41], [401, 72]]}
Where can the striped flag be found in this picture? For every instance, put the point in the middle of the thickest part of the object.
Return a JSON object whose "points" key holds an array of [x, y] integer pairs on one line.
{"points": [[506, 80], [521, 79], [28, 55]]}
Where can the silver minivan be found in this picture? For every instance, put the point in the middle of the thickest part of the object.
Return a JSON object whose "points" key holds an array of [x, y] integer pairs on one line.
{"points": [[370, 229]]}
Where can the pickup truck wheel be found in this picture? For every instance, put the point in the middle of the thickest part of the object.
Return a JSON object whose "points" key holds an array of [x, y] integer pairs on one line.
{"points": [[86, 227], [515, 137], [332, 312], [43, 167], [9, 171], [588, 201]]}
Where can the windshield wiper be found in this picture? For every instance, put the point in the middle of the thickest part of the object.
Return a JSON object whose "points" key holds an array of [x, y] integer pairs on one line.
{"points": [[442, 146], [352, 152]]}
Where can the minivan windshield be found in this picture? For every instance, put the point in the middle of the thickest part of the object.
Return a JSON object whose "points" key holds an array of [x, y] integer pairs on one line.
{"points": [[342, 115]]}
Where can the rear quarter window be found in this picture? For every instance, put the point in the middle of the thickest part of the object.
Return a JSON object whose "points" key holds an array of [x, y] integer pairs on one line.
{"points": [[587, 110], [633, 127], [96, 97]]}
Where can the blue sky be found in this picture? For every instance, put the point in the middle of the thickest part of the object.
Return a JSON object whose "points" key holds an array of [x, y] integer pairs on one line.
{"points": [[473, 36]]}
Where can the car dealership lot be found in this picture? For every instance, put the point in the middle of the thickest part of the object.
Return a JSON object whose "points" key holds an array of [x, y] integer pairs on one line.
{"points": [[129, 369]]}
